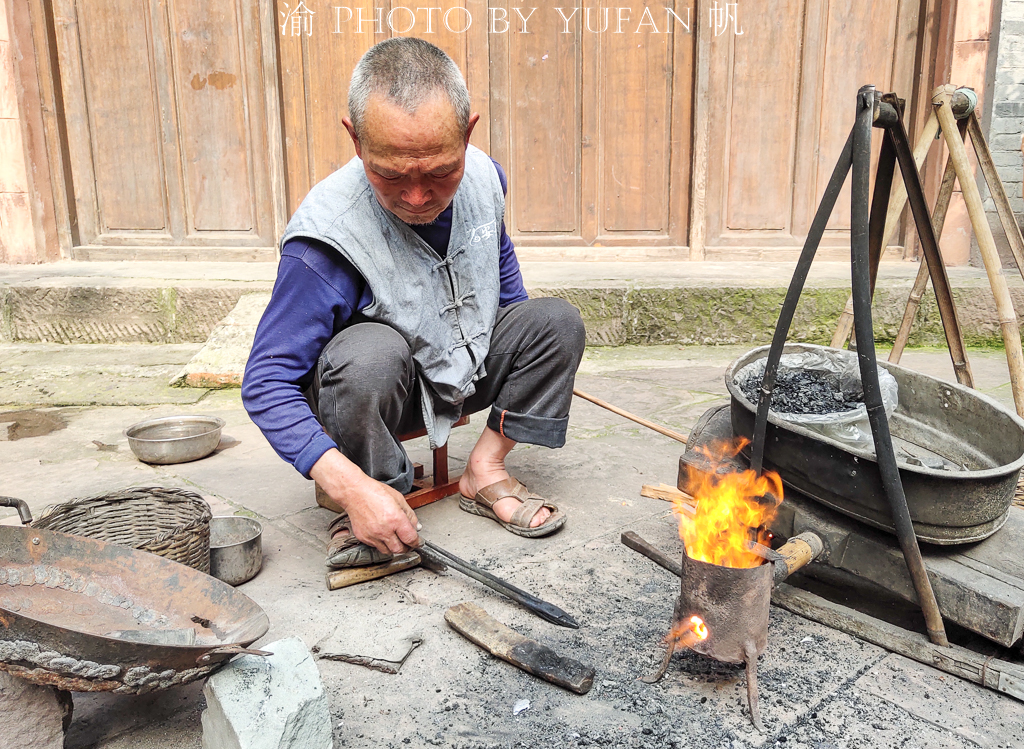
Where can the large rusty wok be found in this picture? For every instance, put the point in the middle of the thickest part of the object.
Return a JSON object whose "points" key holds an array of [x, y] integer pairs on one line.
{"points": [[89, 616]]}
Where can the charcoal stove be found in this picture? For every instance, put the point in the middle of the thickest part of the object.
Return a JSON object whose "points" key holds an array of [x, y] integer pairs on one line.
{"points": [[731, 607]]}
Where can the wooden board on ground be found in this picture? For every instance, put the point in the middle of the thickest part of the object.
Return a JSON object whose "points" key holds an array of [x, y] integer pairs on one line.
{"points": [[479, 627]]}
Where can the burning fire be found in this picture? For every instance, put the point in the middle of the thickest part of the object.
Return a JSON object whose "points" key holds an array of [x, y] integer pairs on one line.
{"points": [[686, 633], [732, 510]]}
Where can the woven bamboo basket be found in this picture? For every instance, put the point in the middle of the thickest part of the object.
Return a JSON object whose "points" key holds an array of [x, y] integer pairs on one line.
{"points": [[171, 523], [1018, 496]]}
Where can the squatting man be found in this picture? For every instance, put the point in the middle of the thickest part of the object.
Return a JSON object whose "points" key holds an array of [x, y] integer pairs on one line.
{"points": [[399, 305]]}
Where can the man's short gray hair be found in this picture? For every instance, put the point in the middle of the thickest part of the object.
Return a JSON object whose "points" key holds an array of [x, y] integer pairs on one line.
{"points": [[407, 71]]}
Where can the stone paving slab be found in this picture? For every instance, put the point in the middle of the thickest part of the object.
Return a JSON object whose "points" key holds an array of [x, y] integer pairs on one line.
{"points": [[820, 688], [644, 303], [100, 375]]}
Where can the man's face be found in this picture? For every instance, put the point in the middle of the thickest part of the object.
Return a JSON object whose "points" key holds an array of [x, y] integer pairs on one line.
{"points": [[414, 162]]}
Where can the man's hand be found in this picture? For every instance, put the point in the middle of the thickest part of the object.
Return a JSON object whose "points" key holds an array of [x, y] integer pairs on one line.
{"points": [[379, 514]]}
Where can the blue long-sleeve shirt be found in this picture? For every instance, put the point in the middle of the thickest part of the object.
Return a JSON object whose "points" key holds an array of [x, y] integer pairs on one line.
{"points": [[316, 293]]}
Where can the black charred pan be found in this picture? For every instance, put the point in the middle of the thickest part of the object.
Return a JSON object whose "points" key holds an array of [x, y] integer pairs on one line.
{"points": [[89, 616], [942, 422]]}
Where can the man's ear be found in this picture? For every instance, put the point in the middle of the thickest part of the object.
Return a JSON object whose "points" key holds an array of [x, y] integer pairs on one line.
{"points": [[352, 134], [473, 119]]}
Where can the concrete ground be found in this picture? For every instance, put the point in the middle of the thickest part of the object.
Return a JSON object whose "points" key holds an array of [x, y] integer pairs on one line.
{"points": [[819, 688]]}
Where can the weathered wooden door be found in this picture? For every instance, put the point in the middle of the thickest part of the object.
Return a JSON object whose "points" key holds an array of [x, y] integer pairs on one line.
{"points": [[781, 101], [165, 114], [591, 114]]}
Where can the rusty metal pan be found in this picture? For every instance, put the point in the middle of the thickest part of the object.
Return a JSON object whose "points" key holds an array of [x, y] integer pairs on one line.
{"points": [[934, 419], [88, 616]]}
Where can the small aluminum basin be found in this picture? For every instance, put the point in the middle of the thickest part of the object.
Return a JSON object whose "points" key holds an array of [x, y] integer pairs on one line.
{"points": [[236, 548], [174, 439]]}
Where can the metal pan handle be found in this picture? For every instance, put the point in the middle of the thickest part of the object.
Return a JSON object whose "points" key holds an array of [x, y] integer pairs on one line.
{"points": [[208, 656], [23, 512]]}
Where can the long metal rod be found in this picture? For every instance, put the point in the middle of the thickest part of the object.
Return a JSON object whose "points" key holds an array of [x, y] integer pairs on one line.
{"points": [[885, 456], [930, 247], [541, 608], [921, 282], [796, 287], [627, 415], [897, 203]]}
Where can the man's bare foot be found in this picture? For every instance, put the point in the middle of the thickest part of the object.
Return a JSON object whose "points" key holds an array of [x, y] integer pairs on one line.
{"points": [[486, 466]]}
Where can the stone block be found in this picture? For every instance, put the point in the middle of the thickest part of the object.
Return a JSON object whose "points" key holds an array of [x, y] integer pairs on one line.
{"points": [[1005, 141], [274, 702], [32, 717], [221, 362], [1009, 109]]}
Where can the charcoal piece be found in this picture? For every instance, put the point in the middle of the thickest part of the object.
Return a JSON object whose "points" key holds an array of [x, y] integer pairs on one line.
{"points": [[801, 391]]}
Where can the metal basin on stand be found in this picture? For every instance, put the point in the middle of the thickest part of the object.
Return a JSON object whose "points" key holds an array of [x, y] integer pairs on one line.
{"points": [[934, 419]]}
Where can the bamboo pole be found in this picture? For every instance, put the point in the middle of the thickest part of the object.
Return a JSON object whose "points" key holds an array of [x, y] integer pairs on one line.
{"points": [[627, 415], [941, 98], [897, 202]]}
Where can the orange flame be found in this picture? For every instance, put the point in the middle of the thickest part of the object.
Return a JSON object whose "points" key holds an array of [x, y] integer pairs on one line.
{"points": [[686, 634], [732, 510]]}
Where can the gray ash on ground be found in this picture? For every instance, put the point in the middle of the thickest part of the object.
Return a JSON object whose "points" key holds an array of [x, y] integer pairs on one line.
{"points": [[801, 391]]}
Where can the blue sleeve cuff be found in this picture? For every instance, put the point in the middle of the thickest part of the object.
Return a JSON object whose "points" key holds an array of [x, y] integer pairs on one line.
{"points": [[312, 452]]}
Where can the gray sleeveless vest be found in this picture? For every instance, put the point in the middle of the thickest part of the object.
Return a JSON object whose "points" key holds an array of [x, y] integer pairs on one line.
{"points": [[444, 309]]}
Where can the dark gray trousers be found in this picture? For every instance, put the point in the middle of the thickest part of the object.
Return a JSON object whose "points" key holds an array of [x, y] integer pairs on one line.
{"points": [[365, 391]]}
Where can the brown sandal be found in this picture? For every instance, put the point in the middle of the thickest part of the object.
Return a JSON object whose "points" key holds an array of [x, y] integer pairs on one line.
{"points": [[484, 500], [349, 551]]}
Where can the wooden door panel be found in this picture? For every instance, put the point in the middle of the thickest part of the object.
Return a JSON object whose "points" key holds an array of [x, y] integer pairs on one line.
{"points": [[595, 127], [544, 126], [761, 129], [117, 102], [165, 117], [329, 62], [635, 102], [860, 48], [210, 88], [782, 105]]}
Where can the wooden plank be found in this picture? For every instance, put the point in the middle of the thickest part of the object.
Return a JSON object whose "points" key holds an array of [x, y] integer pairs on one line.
{"points": [[936, 53], [908, 22], [269, 82], [701, 134], [343, 578], [477, 626], [545, 86], [294, 133], [634, 99], [328, 68], [478, 73], [683, 80], [986, 604], [859, 51], [83, 212], [993, 673], [32, 63], [123, 115], [213, 109], [758, 141], [808, 125]]}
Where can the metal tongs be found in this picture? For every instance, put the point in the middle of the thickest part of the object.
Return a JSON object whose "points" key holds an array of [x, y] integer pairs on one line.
{"points": [[438, 556]]}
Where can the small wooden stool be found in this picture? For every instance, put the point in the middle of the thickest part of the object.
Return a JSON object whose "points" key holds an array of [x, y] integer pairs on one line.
{"points": [[425, 489]]}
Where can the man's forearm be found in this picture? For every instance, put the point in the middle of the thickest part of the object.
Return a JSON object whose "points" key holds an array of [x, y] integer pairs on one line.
{"points": [[337, 476]]}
